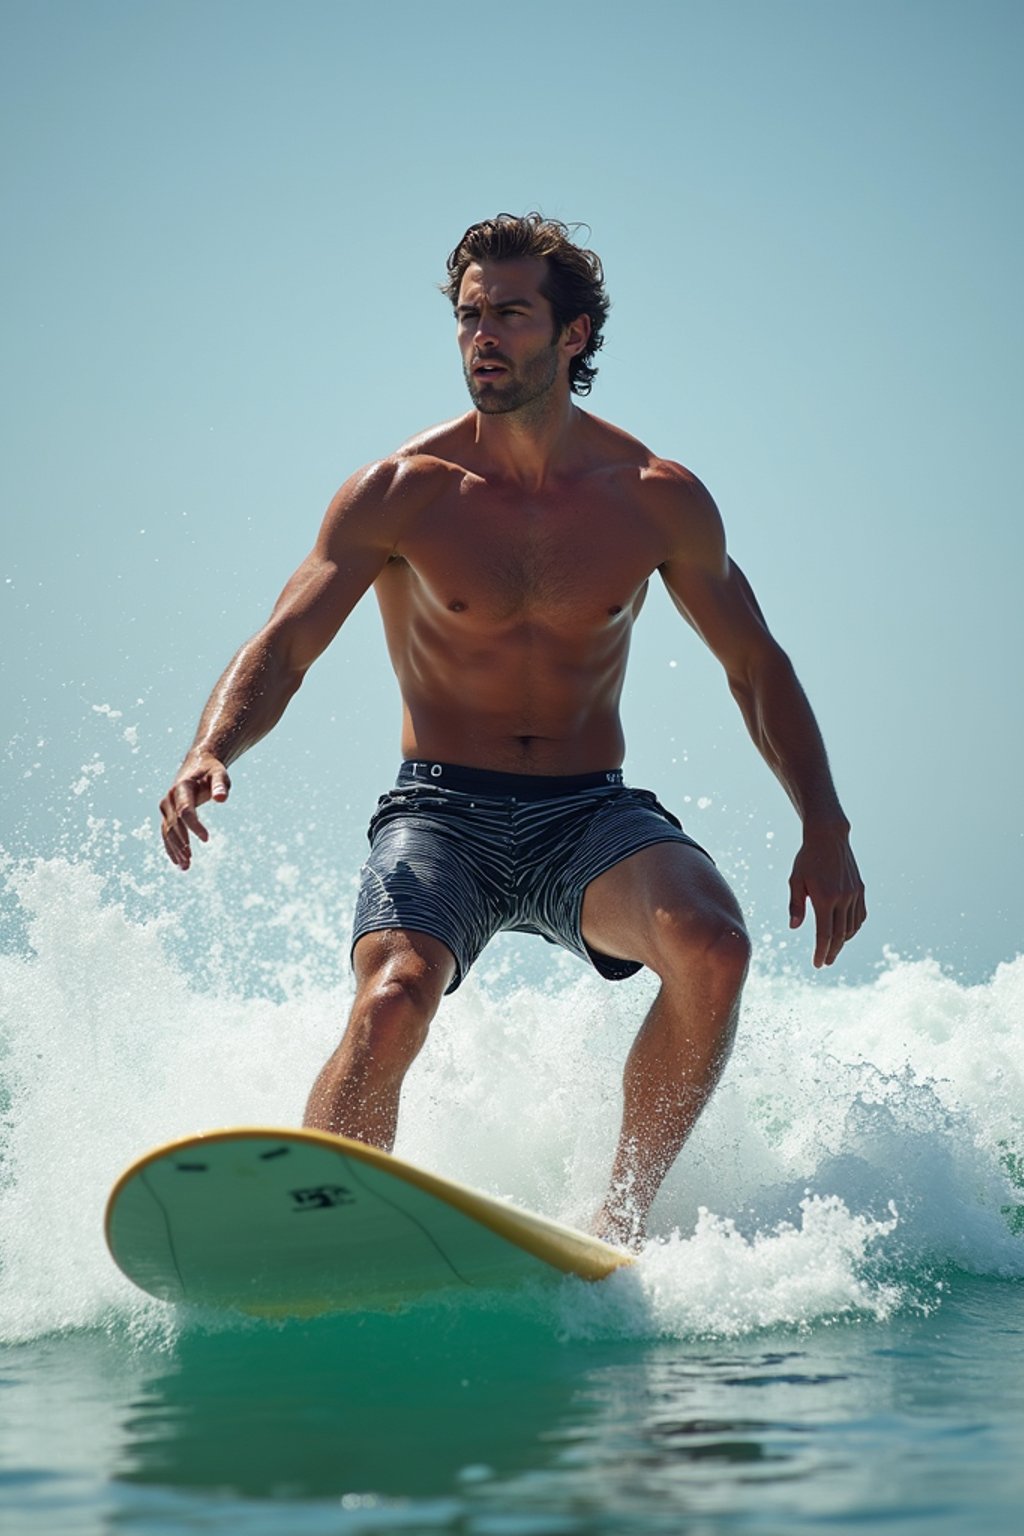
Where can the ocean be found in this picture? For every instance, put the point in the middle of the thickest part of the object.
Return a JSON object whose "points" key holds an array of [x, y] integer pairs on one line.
{"points": [[825, 1332]]}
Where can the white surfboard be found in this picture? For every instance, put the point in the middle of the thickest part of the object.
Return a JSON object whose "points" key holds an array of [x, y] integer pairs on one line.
{"points": [[287, 1223]]}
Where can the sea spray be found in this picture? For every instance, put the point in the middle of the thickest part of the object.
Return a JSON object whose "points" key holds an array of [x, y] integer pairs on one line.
{"points": [[719, 1283], [863, 1137]]}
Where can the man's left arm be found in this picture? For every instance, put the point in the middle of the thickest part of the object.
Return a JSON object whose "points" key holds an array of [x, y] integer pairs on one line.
{"points": [[715, 597]]}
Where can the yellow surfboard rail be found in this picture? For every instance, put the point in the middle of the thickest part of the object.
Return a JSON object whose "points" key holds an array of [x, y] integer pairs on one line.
{"points": [[561, 1247]]}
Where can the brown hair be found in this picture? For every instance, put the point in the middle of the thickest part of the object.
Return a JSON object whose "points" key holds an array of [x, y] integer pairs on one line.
{"points": [[573, 284]]}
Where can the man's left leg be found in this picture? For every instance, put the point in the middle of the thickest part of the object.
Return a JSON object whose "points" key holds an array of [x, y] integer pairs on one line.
{"points": [[668, 907]]}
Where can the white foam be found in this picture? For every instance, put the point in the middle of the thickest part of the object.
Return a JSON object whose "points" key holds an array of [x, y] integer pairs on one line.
{"points": [[717, 1282], [839, 1105]]}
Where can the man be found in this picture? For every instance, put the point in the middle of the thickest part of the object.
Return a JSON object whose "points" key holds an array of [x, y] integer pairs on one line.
{"points": [[510, 551]]}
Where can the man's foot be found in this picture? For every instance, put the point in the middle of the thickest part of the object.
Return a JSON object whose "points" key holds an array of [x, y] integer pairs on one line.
{"points": [[623, 1228]]}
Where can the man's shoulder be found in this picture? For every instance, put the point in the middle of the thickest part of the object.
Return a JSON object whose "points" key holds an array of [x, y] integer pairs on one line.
{"points": [[436, 451], [657, 475], [419, 471], [673, 483], [414, 473], [672, 497]]}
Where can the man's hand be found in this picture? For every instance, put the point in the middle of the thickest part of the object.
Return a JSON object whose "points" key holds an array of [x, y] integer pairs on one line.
{"points": [[202, 777], [825, 872]]}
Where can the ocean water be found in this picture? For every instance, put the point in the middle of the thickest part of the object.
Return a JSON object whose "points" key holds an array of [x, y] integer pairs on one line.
{"points": [[825, 1332]]}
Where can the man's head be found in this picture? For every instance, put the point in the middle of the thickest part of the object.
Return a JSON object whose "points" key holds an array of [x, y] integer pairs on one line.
{"points": [[572, 280]]}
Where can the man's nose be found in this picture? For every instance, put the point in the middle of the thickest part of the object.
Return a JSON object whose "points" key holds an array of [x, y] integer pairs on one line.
{"points": [[485, 334]]}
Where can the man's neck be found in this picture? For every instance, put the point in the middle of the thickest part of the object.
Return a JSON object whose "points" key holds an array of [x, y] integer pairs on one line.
{"points": [[528, 446]]}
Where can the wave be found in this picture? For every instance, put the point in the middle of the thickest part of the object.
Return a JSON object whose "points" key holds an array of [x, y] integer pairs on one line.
{"points": [[864, 1141]]}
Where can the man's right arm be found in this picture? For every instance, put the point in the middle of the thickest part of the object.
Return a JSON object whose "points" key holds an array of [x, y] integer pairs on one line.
{"points": [[356, 538]]}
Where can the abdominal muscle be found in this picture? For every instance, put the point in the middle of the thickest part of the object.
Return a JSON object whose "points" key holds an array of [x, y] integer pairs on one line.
{"points": [[514, 697]]}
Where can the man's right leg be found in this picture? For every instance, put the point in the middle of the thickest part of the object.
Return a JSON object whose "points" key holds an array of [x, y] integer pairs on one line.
{"points": [[401, 977]]}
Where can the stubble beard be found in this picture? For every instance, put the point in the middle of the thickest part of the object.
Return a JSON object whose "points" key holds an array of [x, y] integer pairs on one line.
{"points": [[529, 388]]}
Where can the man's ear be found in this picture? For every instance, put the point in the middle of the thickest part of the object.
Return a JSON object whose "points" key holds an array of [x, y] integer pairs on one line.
{"points": [[575, 335]]}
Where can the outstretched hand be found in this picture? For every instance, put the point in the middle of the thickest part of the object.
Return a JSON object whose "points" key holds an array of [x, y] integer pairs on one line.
{"points": [[825, 873], [201, 777]]}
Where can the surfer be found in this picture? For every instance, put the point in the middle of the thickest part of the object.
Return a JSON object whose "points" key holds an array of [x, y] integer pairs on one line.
{"points": [[510, 551]]}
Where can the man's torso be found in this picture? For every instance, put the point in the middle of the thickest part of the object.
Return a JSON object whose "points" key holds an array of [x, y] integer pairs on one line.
{"points": [[508, 611]]}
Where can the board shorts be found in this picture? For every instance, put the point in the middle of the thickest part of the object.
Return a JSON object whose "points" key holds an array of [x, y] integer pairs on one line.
{"points": [[465, 853]]}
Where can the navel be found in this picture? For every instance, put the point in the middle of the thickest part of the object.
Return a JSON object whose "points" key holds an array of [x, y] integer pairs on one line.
{"points": [[457, 605]]}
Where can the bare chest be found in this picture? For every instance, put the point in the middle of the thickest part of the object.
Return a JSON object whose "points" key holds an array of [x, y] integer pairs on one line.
{"points": [[558, 561]]}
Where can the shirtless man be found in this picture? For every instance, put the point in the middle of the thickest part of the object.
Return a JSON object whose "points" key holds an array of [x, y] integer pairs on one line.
{"points": [[510, 551]]}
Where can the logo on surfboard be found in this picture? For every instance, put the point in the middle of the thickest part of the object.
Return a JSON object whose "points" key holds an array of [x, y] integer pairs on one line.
{"points": [[323, 1197]]}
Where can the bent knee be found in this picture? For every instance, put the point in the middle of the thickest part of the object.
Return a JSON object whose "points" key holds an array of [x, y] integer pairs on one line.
{"points": [[397, 1009], [398, 992], [409, 967], [406, 994], [389, 1024], [711, 939]]}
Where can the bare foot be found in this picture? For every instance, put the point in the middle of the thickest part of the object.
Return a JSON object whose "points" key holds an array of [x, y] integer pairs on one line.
{"points": [[622, 1228]]}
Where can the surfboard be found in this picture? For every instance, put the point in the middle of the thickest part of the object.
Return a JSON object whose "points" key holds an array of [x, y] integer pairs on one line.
{"points": [[289, 1223]]}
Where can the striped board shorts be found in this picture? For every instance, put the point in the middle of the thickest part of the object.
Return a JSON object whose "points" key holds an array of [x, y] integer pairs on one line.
{"points": [[465, 853]]}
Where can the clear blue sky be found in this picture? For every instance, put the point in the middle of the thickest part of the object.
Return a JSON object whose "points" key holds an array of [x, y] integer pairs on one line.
{"points": [[224, 224]]}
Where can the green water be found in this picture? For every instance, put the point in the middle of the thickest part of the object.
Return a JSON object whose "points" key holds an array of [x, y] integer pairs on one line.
{"points": [[486, 1419]]}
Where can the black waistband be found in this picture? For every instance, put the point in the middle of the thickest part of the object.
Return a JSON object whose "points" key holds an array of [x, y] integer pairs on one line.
{"points": [[520, 786]]}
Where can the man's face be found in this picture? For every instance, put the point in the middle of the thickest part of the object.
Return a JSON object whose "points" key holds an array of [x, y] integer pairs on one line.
{"points": [[510, 353]]}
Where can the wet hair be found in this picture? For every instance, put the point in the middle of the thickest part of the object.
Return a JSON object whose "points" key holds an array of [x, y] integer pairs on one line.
{"points": [[573, 284]]}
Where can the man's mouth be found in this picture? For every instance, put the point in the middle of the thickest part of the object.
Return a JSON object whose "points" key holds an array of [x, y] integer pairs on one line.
{"points": [[488, 370]]}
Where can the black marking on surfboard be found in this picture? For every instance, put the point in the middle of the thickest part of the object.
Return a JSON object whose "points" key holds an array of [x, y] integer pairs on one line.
{"points": [[192, 1167], [354, 1172], [168, 1229], [265, 1157], [323, 1197]]}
